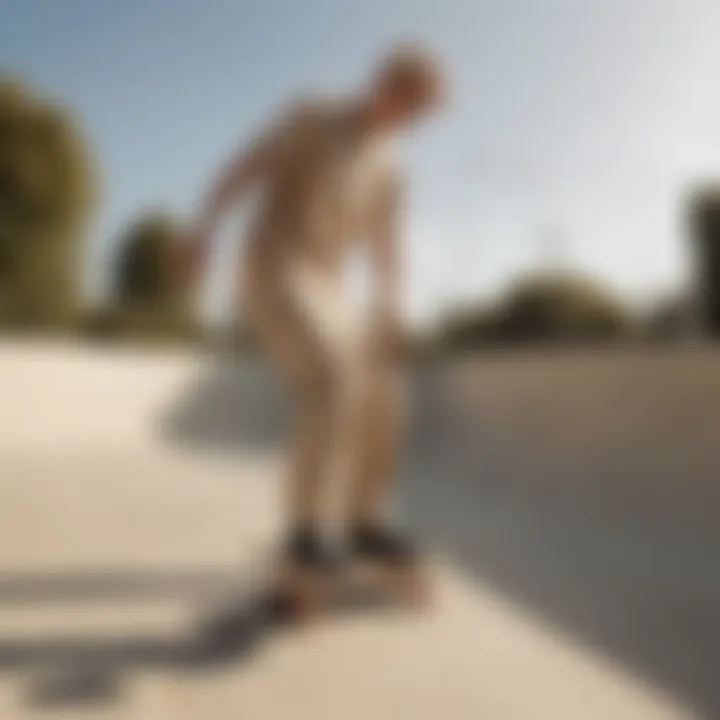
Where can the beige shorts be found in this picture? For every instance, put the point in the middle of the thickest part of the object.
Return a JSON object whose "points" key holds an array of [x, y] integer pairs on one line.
{"points": [[306, 319], [326, 306]]}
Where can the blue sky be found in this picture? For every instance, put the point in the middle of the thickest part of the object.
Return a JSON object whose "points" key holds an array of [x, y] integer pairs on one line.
{"points": [[579, 120]]}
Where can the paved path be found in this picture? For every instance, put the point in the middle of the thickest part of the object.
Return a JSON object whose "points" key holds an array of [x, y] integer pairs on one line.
{"points": [[130, 517]]}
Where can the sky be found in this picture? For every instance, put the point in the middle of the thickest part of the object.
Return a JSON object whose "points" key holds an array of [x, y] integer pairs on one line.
{"points": [[573, 130]]}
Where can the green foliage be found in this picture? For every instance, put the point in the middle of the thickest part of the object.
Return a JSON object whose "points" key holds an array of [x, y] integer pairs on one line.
{"points": [[468, 326], [145, 275], [561, 308], [150, 297], [47, 188], [116, 324], [100, 324], [541, 309]]}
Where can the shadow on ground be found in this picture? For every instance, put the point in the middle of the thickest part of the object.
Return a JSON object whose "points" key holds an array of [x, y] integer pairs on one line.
{"points": [[81, 670], [74, 671], [235, 406]]}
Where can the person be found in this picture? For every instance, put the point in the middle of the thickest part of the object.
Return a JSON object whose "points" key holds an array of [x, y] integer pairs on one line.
{"points": [[329, 181]]}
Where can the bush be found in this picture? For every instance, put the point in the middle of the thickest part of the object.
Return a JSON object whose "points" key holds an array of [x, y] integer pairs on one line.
{"points": [[150, 301], [540, 309], [47, 189]]}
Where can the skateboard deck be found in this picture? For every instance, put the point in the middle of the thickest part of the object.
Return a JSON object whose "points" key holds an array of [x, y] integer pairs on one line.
{"points": [[237, 627], [355, 588]]}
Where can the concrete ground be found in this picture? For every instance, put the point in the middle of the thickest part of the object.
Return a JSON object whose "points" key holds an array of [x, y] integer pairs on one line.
{"points": [[569, 502]]}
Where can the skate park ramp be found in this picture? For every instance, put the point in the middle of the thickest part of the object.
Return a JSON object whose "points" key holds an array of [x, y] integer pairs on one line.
{"points": [[568, 499]]}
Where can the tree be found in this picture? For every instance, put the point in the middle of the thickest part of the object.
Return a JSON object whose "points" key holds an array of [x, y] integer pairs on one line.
{"points": [[145, 273], [468, 326], [540, 308], [47, 189], [560, 307], [148, 292]]}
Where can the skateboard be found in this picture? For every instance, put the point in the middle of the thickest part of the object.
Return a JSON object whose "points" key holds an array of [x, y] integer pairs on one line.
{"points": [[302, 595], [287, 599]]}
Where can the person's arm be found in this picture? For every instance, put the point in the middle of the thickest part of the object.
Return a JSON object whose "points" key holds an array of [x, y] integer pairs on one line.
{"points": [[241, 174], [386, 262], [247, 169]]}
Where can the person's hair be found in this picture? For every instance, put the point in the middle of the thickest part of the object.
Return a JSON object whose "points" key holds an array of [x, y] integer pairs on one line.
{"points": [[412, 72]]}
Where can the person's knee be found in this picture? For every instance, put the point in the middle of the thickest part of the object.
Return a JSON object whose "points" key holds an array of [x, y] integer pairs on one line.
{"points": [[385, 393], [332, 391]]}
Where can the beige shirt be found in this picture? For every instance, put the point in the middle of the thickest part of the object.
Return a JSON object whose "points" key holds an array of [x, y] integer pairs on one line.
{"points": [[331, 184]]}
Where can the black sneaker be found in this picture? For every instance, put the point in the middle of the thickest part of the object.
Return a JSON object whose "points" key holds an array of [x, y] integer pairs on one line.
{"points": [[383, 545], [305, 548]]}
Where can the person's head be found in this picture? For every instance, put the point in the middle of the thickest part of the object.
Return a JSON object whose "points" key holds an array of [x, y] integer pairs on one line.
{"points": [[407, 86]]}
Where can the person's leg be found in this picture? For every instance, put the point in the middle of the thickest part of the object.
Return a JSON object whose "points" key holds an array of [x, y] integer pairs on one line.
{"points": [[326, 420], [301, 364], [303, 329], [381, 431], [371, 536]]}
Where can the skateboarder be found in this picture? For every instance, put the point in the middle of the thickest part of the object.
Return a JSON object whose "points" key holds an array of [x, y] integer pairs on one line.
{"points": [[329, 181]]}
